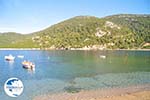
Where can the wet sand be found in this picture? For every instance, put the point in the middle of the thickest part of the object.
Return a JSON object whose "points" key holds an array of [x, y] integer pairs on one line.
{"points": [[140, 92]]}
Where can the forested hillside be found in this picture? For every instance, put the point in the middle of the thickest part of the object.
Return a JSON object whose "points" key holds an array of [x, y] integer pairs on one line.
{"points": [[124, 31]]}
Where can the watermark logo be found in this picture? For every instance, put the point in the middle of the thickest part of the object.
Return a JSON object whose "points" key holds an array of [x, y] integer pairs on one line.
{"points": [[13, 87]]}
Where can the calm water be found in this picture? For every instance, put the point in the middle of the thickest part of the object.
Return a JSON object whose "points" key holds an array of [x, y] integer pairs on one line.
{"points": [[58, 71]]}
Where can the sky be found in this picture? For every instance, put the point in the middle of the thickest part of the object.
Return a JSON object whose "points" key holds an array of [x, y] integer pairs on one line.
{"points": [[27, 16]]}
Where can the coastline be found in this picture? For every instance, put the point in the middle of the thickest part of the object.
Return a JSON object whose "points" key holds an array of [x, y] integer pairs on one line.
{"points": [[72, 49], [20, 49], [138, 92]]}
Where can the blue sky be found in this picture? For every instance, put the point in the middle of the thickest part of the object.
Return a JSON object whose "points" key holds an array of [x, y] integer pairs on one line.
{"points": [[27, 16]]}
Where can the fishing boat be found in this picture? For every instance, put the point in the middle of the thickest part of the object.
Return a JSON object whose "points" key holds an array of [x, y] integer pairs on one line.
{"points": [[28, 65], [9, 58]]}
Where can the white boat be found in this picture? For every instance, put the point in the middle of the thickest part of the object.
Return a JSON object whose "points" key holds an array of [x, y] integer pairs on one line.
{"points": [[28, 65], [9, 58], [102, 56], [20, 56]]}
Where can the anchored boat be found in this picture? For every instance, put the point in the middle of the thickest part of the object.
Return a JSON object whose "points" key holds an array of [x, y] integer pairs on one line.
{"points": [[9, 58], [28, 65], [20, 56], [102, 56]]}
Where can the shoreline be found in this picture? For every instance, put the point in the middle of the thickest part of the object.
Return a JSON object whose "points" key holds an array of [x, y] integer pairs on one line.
{"points": [[73, 49], [137, 92], [20, 49]]}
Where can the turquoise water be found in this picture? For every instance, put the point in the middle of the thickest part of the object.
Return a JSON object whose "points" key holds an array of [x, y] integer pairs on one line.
{"points": [[72, 71]]}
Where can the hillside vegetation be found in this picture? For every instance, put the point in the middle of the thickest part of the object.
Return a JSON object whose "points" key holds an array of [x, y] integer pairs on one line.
{"points": [[16, 40], [124, 31]]}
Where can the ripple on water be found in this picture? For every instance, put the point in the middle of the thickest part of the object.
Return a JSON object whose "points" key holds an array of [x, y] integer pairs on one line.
{"points": [[112, 80], [39, 87]]}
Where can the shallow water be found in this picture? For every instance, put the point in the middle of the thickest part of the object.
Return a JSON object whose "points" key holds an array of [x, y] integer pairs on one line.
{"points": [[58, 71]]}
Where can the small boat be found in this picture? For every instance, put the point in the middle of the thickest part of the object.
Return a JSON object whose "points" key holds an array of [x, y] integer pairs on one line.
{"points": [[20, 56], [9, 58], [102, 56], [28, 65]]}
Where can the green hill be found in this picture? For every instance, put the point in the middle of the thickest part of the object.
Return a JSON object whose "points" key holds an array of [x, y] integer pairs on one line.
{"points": [[16, 40], [138, 24], [124, 31]]}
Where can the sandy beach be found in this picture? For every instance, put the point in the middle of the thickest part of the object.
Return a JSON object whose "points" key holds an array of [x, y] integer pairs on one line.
{"points": [[140, 92]]}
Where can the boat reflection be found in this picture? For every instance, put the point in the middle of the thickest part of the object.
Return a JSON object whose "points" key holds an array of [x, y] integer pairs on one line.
{"points": [[31, 71], [11, 62]]}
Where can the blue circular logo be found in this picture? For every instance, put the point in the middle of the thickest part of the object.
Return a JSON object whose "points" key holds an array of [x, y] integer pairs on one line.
{"points": [[13, 87]]}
